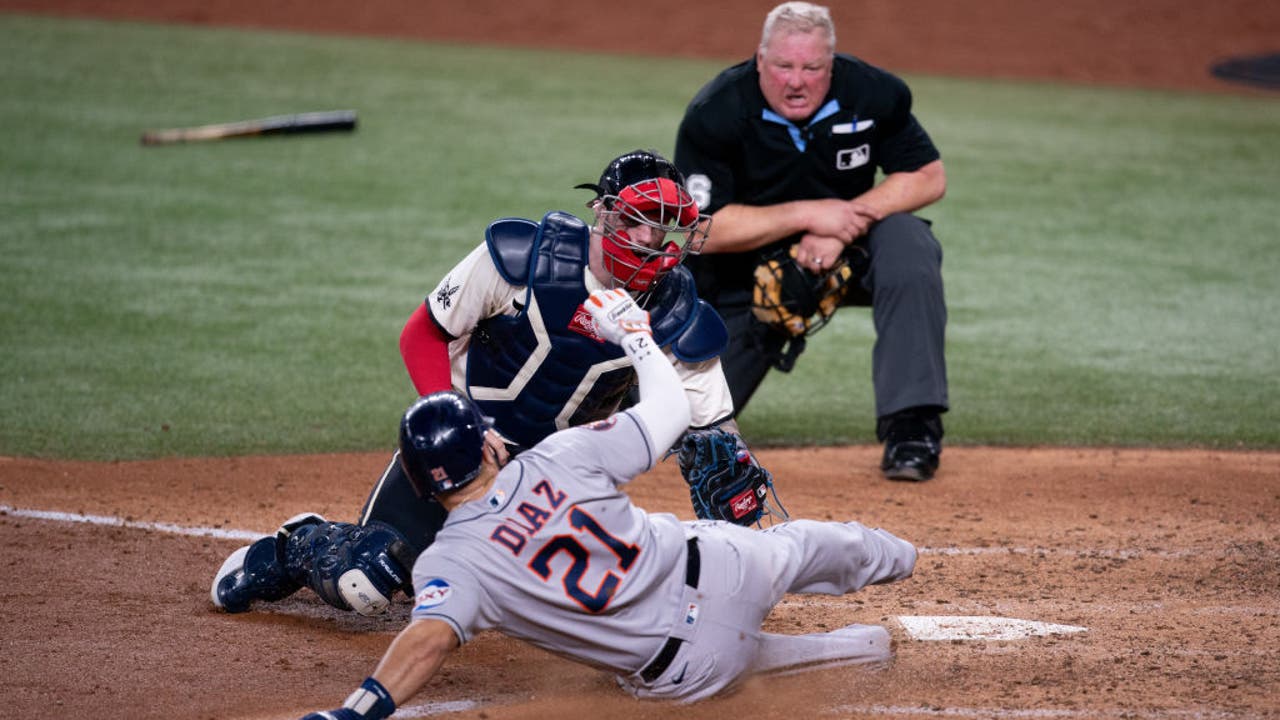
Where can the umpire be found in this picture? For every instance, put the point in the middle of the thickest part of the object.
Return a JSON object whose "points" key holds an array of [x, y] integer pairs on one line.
{"points": [[783, 150]]}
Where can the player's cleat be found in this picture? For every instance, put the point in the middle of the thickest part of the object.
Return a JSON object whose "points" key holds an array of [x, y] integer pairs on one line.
{"points": [[256, 571], [911, 448]]}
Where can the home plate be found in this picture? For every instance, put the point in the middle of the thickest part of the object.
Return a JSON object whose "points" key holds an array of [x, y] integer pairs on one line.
{"points": [[979, 627]]}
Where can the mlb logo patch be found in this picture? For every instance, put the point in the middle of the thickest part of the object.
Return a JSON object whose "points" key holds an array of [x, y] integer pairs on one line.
{"points": [[691, 614], [433, 594], [853, 157]]}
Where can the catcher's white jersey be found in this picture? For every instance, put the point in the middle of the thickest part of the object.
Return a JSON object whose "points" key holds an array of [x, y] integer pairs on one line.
{"points": [[474, 290], [556, 555]]}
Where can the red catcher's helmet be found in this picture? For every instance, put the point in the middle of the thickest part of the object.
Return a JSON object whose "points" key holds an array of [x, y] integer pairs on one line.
{"points": [[642, 188]]}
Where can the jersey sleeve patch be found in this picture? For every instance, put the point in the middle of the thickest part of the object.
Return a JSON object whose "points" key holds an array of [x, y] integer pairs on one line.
{"points": [[433, 594]]}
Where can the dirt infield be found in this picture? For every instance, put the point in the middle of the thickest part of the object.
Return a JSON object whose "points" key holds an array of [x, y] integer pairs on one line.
{"points": [[1168, 562]]}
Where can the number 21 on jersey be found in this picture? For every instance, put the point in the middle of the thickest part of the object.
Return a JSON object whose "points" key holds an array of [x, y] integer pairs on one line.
{"points": [[624, 557]]}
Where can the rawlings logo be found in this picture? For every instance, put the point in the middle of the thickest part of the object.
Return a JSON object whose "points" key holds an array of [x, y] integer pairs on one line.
{"points": [[744, 504], [584, 325]]}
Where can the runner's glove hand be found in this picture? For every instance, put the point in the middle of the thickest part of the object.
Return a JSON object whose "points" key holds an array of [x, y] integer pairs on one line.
{"points": [[616, 315]]}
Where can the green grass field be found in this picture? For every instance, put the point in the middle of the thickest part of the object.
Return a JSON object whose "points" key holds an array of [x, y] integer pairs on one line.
{"points": [[1111, 260]]}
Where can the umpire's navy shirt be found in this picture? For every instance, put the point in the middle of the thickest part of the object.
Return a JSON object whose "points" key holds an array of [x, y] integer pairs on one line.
{"points": [[732, 148]]}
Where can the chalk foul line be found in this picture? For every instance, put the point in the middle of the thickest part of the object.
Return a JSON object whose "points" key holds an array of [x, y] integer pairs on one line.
{"points": [[111, 521], [236, 534]]}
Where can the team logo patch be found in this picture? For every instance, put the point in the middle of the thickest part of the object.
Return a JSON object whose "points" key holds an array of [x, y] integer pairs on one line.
{"points": [[433, 594], [584, 325], [444, 296], [604, 424], [853, 157]]}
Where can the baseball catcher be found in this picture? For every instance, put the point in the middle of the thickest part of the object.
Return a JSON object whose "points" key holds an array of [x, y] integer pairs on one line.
{"points": [[508, 329]]}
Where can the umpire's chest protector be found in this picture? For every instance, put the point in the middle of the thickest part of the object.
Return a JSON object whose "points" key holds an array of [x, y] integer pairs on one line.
{"points": [[545, 368]]}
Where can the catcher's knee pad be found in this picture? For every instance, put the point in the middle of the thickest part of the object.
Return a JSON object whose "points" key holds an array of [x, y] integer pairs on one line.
{"points": [[351, 567]]}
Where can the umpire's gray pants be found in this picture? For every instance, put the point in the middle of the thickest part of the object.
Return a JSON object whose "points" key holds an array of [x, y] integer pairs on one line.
{"points": [[903, 286]]}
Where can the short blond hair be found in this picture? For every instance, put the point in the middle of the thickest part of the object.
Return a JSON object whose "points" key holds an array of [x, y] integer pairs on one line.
{"points": [[798, 17]]}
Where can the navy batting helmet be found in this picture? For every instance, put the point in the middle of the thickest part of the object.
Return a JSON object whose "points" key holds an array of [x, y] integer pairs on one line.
{"points": [[441, 442]]}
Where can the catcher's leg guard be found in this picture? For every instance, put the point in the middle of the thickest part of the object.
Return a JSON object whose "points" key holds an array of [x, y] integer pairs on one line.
{"points": [[351, 567], [257, 571]]}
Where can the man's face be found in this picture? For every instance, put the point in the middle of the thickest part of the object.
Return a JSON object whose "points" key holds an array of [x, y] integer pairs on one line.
{"points": [[611, 222], [646, 235], [795, 73]]}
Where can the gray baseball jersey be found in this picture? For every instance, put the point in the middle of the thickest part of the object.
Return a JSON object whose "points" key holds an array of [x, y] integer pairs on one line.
{"points": [[556, 554]]}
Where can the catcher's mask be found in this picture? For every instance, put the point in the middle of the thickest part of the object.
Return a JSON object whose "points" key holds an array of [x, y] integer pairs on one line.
{"points": [[640, 199], [441, 442]]}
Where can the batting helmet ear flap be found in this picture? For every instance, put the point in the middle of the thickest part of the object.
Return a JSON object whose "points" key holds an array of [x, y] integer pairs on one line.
{"points": [[442, 442]]}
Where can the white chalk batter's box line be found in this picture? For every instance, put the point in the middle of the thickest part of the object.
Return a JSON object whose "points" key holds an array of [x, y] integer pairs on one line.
{"points": [[235, 534]]}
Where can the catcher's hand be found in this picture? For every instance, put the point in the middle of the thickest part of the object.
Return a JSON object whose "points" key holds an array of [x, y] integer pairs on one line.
{"points": [[725, 481], [794, 300], [616, 315]]}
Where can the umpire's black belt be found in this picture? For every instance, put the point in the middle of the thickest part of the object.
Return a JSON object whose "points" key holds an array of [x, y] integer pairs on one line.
{"points": [[668, 653]]}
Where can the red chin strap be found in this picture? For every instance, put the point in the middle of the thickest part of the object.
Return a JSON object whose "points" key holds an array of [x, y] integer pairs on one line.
{"points": [[626, 267]]}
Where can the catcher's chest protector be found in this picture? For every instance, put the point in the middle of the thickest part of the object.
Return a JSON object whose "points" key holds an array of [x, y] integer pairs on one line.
{"points": [[545, 368], [542, 370]]}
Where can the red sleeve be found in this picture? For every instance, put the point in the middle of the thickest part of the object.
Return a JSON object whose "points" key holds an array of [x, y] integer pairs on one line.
{"points": [[425, 349]]}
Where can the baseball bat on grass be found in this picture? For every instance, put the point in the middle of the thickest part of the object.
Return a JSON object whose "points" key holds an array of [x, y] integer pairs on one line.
{"points": [[311, 122]]}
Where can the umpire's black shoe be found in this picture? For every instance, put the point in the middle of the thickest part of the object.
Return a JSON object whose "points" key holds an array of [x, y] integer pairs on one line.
{"points": [[912, 444]]}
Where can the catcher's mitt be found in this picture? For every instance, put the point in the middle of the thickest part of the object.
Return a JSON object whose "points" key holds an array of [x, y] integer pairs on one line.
{"points": [[794, 300], [725, 481]]}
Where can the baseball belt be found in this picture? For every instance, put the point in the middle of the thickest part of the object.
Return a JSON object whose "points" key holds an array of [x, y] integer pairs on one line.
{"points": [[692, 568]]}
